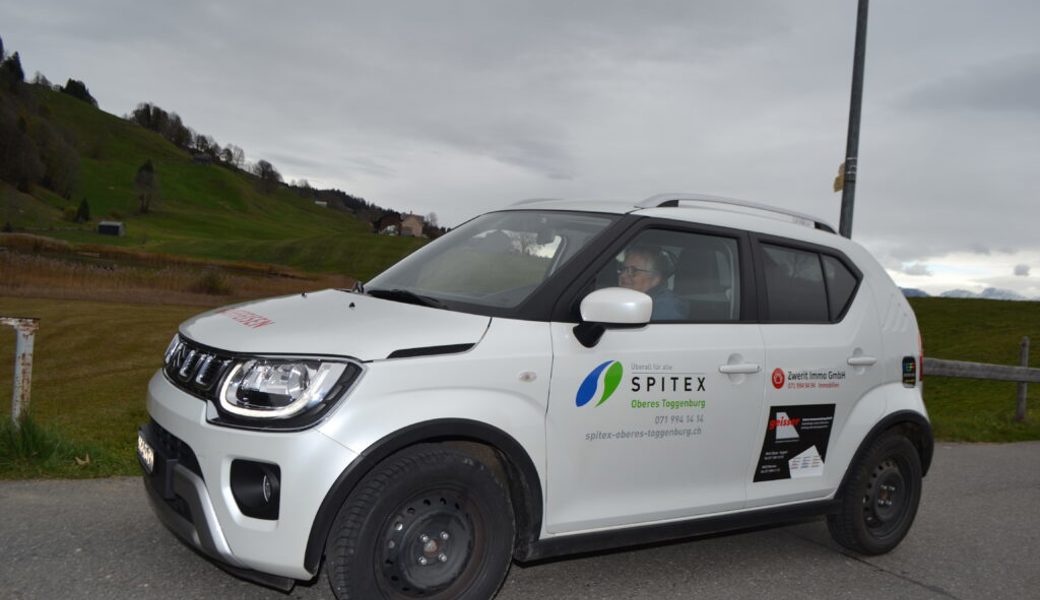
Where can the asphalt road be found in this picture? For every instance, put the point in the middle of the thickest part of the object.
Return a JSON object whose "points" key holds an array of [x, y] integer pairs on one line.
{"points": [[977, 535]]}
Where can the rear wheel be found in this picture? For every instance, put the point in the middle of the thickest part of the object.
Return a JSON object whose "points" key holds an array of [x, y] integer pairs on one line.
{"points": [[428, 522], [879, 501]]}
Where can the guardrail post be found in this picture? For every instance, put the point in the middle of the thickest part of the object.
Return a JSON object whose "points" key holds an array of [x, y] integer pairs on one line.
{"points": [[1020, 409], [25, 331]]}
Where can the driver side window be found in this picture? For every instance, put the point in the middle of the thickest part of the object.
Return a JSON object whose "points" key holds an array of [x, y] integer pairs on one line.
{"points": [[690, 277]]}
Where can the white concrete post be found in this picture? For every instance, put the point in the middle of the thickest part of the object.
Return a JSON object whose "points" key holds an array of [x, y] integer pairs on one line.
{"points": [[25, 330]]}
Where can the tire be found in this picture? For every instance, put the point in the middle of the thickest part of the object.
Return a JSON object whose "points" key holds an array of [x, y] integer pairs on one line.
{"points": [[879, 500], [428, 522]]}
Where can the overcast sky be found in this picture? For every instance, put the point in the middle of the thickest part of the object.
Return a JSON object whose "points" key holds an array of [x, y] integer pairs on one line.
{"points": [[458, 107]]}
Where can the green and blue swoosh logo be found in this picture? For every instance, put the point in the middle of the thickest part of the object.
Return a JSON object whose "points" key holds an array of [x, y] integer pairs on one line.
{"points": [[590, 388]]}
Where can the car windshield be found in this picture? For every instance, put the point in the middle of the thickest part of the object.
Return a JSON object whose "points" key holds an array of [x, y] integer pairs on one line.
{"points": [[496, 260]]}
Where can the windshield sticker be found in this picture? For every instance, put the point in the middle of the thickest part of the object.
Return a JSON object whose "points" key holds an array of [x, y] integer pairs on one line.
{"points": [[795, 443], [808, 379], [668, 403], [244, 317]]}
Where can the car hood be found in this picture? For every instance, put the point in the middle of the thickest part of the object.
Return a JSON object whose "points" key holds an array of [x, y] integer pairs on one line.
{"points": [[332, 322]]}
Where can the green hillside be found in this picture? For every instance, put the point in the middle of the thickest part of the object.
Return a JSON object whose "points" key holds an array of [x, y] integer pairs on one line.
{"points": [[202, 210]]}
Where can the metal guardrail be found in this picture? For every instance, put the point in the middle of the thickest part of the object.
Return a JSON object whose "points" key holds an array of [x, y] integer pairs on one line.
{"points": [[23, 358], [973, 370]]}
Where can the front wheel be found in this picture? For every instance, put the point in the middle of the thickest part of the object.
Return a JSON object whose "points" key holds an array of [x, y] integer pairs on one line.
{"points": [[880, 498], [427, 522]]}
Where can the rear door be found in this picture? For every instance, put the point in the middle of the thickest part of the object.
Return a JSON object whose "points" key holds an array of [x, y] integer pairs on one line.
{"points": [[823, 352]]}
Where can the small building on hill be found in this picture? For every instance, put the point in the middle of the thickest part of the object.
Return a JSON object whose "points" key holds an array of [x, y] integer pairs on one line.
{"points": [[412, 225], [111, 228]]}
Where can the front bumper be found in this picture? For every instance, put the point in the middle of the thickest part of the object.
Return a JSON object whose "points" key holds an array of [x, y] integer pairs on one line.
{"points": [[189, 486]]}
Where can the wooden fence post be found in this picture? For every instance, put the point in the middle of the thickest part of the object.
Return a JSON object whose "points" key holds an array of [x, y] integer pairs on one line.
{"points": [[1020, 409]]}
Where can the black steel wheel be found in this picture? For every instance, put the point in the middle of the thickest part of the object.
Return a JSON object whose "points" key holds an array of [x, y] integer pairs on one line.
{"points": [[428, 522], [879, 501]]}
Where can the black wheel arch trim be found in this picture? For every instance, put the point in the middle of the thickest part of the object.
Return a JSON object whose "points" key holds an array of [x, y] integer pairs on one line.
{"points": [[924, 443], [522, 479]]}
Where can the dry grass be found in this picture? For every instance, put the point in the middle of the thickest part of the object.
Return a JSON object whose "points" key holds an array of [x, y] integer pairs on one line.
{"points": [[27, 243], [89, 276]]}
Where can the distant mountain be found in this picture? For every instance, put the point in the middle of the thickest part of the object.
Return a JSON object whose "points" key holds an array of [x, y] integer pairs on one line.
{"points": [[999, 294], [915, 293], [989, 293]]}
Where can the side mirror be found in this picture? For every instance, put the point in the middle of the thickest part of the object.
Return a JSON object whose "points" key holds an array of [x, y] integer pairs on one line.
{"points": [[611, 306], [617, 306]]}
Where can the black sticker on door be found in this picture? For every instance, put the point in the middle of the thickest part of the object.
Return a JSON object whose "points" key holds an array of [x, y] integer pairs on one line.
{"points": [[796, 439]]}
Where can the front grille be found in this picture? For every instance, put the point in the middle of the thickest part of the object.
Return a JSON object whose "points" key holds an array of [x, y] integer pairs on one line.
{"points": [[172, 447], [169, 451], [196, 369]]}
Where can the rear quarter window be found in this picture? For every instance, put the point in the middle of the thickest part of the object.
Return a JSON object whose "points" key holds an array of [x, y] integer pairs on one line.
{"points": [[841, 285]]}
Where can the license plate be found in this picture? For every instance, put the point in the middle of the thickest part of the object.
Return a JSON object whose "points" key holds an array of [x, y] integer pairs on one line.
{"points": [[145, 453]]}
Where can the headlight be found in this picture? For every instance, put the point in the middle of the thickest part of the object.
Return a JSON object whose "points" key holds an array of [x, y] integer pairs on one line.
{"points": [[270, 388], [276, 393]]}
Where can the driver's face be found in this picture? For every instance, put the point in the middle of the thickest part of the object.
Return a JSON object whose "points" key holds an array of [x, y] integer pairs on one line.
{"points": [[637, 273]]}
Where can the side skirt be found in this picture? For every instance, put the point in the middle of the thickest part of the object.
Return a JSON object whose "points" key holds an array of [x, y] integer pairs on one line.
{"points": [[652, 534]]}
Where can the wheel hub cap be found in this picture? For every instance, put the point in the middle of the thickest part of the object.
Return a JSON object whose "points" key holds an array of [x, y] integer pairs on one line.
{"points": [[427, 545]]}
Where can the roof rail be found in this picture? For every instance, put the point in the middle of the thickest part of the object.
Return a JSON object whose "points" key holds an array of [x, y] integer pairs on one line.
{"points": [[533, 201], [666, 200]]}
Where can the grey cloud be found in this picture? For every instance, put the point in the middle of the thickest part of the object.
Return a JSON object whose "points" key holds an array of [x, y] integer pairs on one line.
{"points": [[917, 269], [1022, 270], [1007, 84]]}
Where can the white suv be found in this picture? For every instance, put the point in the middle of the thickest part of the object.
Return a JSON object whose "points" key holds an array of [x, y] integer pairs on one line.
{"points": [[553, 378]]}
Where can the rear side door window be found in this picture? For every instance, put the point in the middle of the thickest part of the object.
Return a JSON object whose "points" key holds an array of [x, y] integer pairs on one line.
{"points": [[795, 291], [805, 286]]}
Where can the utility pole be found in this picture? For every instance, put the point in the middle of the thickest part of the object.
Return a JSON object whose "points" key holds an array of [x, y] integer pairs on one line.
{"points": [[848, 192]]}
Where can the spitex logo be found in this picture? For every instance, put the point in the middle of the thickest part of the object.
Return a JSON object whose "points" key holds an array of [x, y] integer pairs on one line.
{"points": [[611, 373]]}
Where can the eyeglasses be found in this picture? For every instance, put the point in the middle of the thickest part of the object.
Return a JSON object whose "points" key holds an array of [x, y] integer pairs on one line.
{"points": [[632, 271]]}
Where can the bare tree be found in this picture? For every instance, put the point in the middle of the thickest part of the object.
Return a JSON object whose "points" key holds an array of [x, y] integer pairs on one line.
{"points": [[269, 176]]}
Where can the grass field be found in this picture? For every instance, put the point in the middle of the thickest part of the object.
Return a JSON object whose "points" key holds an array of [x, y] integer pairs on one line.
{"points": [[93, 361], [981, 331]]}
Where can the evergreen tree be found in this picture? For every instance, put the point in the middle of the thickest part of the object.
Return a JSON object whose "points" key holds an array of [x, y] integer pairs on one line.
{"points": [[78, 89], [11, 70], [145, 184], [83, 212]]}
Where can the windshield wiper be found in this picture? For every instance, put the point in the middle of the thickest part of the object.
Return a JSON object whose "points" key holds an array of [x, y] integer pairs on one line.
{"points": [[402, 295]]}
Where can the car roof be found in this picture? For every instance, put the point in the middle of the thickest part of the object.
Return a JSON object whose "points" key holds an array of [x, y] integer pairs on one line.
{"points": [[691, 207]]}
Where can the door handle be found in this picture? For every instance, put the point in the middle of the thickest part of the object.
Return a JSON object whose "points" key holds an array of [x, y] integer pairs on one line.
{"points": [[739, 369], [861, 361]]}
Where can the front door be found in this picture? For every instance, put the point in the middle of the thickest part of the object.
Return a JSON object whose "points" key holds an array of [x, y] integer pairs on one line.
{"points": [[657, 422]]}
